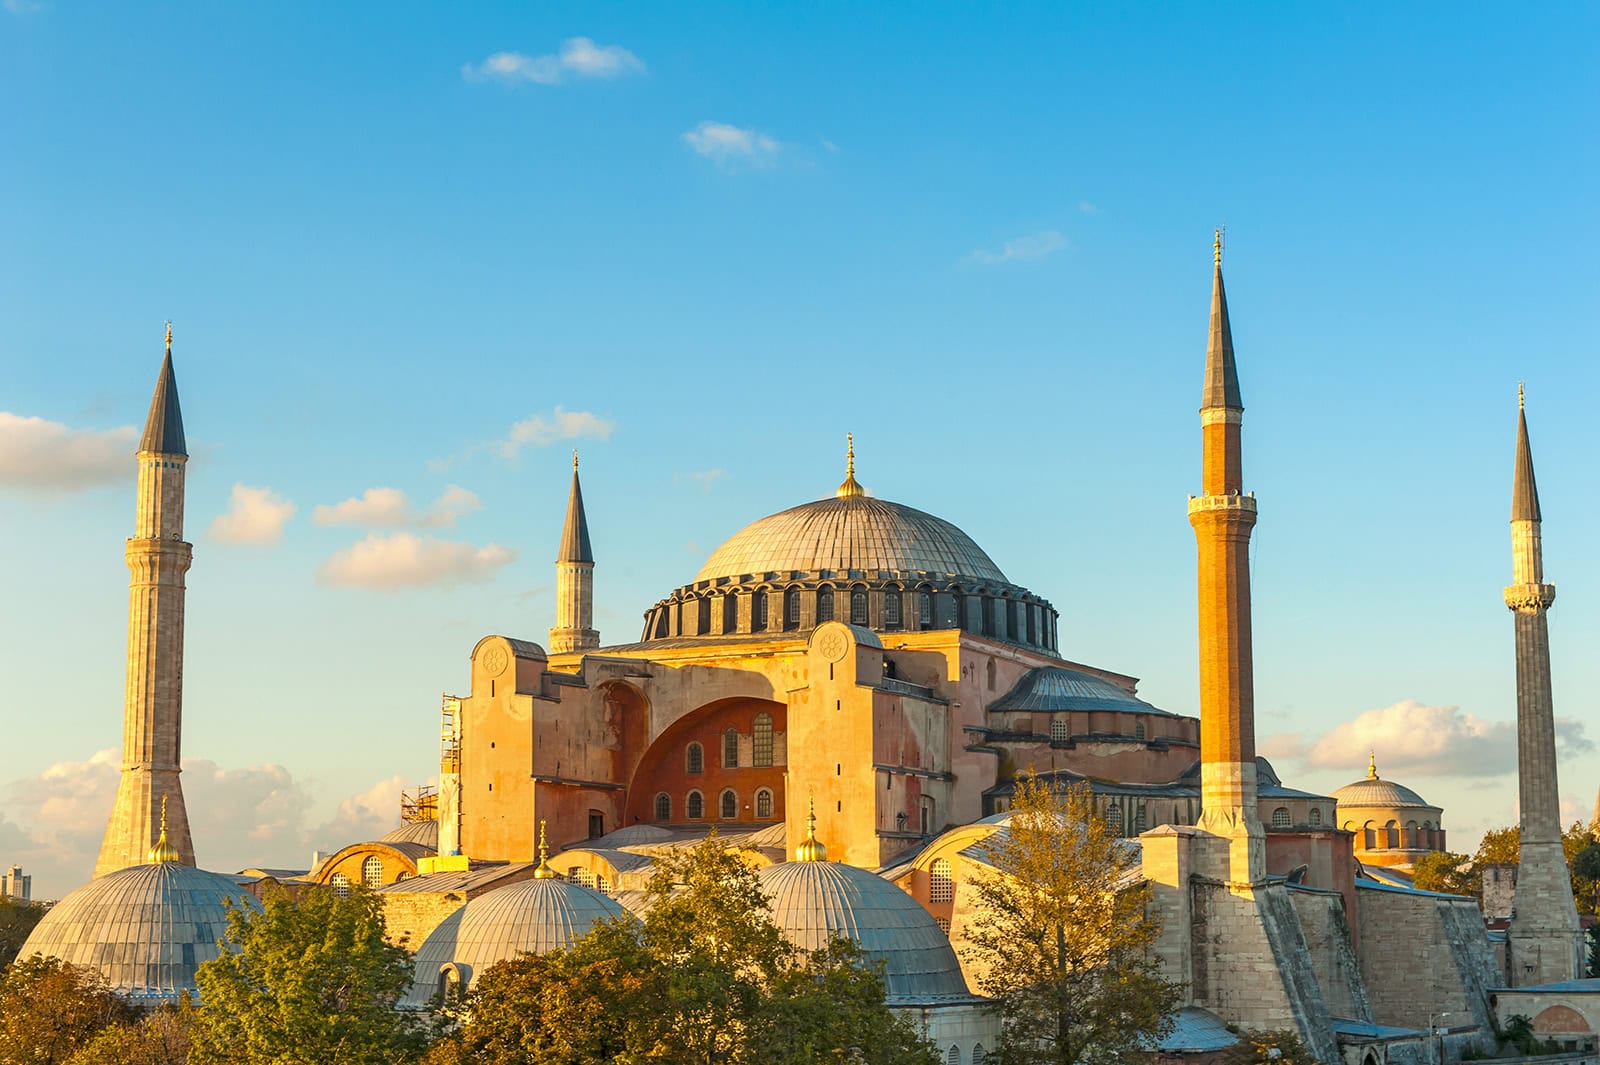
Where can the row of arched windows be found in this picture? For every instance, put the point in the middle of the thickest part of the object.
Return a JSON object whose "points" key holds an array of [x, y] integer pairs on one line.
{"points": [[694, 805], [694, 755], [979, 1055]]}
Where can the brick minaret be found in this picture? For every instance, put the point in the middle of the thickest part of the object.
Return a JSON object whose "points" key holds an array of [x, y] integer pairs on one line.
{"points": [[1544, 940], [574, 627], [152, 722], [1222, 518]]}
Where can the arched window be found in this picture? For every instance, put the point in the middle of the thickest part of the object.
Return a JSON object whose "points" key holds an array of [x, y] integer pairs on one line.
{"points": [[954, 1057], [730, 749], [696, 806], [988, 617], [858, 608], [958, 610], [924, 608], [703, 614], [991, 674], [1314, 818], [824, 605], [663, 807], [1427, 826], [979, 1055], [730, 612], [761, 741], [758, 612], [694, 759], [891, 609], [1138, 730], [372, 872], [730, 805], [941, 885], [1138, 819], [1058, 730], [927, 815], [1280, 817], [791, 609], [1113, 818], [341, 885], [763, 804], [1411, 826]]}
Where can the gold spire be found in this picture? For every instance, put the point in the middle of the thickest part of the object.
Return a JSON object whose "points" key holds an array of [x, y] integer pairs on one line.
{"points": [[1372, 765], [850, 489], [811, 848], [574, 460], [1520, 404], [544, 872], [1216, 247], [163, 851], [169, 336]]}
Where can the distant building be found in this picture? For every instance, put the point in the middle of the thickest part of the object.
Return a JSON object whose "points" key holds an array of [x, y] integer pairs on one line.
{"points": [[15, 886]]}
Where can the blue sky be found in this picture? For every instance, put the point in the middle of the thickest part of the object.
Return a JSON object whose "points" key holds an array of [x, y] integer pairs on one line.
{"points": [[703, 244]]}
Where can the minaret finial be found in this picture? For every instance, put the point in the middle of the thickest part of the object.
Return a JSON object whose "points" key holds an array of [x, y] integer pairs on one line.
{"points": [[163, 851], [1216, 247], [850, 489], [811, 848], [574, 460], [1521, 402], [544, 872], [169, 336], [1372, 765]]}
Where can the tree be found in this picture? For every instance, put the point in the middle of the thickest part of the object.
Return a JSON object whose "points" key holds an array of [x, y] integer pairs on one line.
{"points": [[1502, 846], [1453, 874], [704, 978], [17, 920], [160, 1037], [1499, 846], [50, 1010], [1062, 934], [1282, 1047], [307, 982]]}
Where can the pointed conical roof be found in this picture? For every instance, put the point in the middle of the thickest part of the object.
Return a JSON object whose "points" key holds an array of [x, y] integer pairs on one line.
{"points": [[1222, 379], [575, 534], [163, 429], [1524, 492]]}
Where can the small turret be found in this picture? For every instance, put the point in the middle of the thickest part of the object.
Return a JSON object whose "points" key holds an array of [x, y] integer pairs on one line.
{"points": [[574, 627]]}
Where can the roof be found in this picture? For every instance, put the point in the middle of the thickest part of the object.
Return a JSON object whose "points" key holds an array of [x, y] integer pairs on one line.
{"points": [[1222, 376], [1196, 1030], [479, 875], [1368, 884], [146, 927], [1524, 491], [1590, 986], [1366, 1030], [852, 533], [1048, 688], [425, 833], [534, 915], [813, 902], [575, 533], [163, 428], [1375, 791]]}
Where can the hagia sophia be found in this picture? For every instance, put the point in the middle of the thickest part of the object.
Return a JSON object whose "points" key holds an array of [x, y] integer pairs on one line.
{"points": [[846, 692]]}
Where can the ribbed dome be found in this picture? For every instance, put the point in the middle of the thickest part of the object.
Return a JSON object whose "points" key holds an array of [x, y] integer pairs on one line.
{"points": [[535, 915], [853, 533], [812, 902], [146, 927], [1377, 792], [423, 832]]}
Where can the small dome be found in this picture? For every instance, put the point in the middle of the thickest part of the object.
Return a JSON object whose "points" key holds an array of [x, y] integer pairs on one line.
{"points": [[1051, 688], [146, 927], [850, 532], [535, 915], [423, 832], [812, 902], [1376, 792]]}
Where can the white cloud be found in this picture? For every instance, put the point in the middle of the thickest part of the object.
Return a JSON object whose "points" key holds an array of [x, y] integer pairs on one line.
{"points": [[403, 560], [254, 516], [579, 57], [22, 7], [727, 144], [707, 478], [391, 508], [540, 430], [1023, 249], [1413, 739], [1087, 208], [43, 456]]}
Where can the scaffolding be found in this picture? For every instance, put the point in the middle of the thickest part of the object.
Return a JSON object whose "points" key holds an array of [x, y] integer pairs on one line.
{"points": [[419, 804]]}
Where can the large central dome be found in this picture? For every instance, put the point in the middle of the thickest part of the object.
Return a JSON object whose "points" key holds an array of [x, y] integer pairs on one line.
{"points": [[851, 533]]}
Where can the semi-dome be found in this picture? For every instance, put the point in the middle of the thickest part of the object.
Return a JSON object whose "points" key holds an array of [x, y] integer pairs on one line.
{"points": [[537, 916], [424, 832], [815, 901], [146, 927]]}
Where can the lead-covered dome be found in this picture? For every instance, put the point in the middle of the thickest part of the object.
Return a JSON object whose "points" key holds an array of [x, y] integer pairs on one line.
{"points": [[146, 927], [815, 901]]}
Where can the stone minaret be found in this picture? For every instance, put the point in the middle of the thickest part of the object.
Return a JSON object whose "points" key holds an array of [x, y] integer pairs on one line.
{"points": [[574, 627], [1544, 940], [152, 722], [1222, 518]]}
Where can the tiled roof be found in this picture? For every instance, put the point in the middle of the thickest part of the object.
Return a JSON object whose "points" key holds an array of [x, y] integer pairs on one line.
{"points": [[1049, 688]]}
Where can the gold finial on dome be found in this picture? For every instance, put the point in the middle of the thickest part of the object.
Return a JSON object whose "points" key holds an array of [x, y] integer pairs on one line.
{"points": [[1372, 765], [850, 489], [1520, 405], [811, 848], [544, 872], [163, 851], [1216, 247], [169, 336], [574, 460]]}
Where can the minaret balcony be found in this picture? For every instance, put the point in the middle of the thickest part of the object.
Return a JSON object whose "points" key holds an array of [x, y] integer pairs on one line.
{"points": [[1530, 598], [1232, 502]]}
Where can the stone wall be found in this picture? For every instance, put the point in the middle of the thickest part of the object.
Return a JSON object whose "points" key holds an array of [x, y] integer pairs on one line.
{"points": [[1333, 956], [410, 915], [1424, 956]]}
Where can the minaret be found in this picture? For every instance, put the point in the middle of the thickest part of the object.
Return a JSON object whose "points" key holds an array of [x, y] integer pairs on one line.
{"points": [[1222, 518], [152, 722], [1544, 940], [574, 627]]}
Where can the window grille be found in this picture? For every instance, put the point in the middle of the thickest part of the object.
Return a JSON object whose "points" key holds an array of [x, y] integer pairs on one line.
{"points": [[730, 749], [730, 612], [891, 610], [941, 885], [1138, 820], [824, 605], [694, 759], [858, 608], [791, 608], [758, 612], [1280, 818], [763, 804], [1315, 817], [761, 745], [341, 885], [663, 807], [1114, 818], [954, 1057], [924, 609], [697, 806], [730, 805], [1058, 730], [372, 872], [1138, 730]]}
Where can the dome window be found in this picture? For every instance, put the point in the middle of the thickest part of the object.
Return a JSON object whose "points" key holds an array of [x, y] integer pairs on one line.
{"points": [[924, 609], [341, 885], [763, 804], [1058, 730], [858, 608], [758, 612], [1138, 730], [891, 609], [696, 806], [761, 741], [694, 760], [941, 885], [730, 749], [1113, 818], [730, 612], [791, 609], [1280, 817], [1314, 818], [663, 807], [730, 805], [824, 605], [1138, 820], [372, 872]]}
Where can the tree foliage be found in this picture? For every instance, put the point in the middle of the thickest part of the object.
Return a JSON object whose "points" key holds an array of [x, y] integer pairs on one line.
{"points": [[17, 921], [161, 1036], [50, 1010], [704, 978], [1453, 874], [1502, 846], [1063, 934], [1283, 1047], [306, 982]]}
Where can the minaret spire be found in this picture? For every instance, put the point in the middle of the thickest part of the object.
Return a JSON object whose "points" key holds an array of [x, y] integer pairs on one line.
{"points": [[1544, 942], [851, 488], [574, 627], [149, 796], [1223, 518]]}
